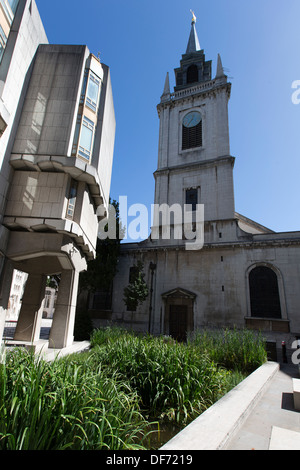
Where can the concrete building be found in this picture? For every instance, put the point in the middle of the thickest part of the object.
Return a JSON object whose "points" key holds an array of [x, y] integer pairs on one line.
{"points": [[56, 150], [16, 294], [49, 302], [244, 275]]}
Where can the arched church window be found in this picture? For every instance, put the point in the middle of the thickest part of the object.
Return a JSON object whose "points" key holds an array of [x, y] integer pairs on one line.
{"points": [[192, 130], [264, 293], [192, 74]]}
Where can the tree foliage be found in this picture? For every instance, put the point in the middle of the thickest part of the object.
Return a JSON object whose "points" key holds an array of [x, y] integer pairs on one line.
{"points": [[102, 269]]}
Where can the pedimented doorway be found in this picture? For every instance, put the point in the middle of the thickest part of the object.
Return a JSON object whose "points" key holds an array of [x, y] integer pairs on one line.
{"points": [[178, 313]]}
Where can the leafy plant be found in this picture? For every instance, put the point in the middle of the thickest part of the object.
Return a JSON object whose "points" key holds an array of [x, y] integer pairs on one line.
{"points": [[137, 290], [101, 270]]}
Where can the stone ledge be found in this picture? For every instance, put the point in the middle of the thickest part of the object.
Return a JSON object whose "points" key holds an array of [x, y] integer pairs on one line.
{"points": [[213, 428]]}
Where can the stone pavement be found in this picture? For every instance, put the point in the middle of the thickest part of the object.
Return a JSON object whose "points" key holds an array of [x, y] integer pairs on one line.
{"points": [[273, 416]]}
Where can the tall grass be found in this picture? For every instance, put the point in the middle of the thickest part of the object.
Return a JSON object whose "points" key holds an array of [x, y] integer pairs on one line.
{"points": [[172, 379], [64, 405], [233, 349], [104, 398]]}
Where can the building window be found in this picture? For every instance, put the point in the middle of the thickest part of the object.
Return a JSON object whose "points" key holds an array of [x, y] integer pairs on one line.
{"points": [[9, 7], [86, 138], [13, 5], [264, 293], [90, 90], [85, 126], [191, 197], [192, 74], [92, 94], [192, 130], [3, 40], [72, 199]]}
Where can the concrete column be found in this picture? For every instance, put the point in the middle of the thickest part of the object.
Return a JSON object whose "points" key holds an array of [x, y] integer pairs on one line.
{"points": [[62, 330], [29, 322]]}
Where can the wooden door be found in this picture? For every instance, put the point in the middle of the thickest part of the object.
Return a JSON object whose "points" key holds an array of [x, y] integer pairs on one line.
{"points": [[178, 322]]}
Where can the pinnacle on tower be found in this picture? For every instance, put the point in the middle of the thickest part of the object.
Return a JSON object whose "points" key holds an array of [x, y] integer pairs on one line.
{"points": [[167, 85], [166, 92], [220, 70]]}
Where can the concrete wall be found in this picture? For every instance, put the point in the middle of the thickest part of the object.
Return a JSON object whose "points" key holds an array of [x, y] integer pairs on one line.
{"points": [[27, 32], [37, 195], [50, 108], [105, 136]]}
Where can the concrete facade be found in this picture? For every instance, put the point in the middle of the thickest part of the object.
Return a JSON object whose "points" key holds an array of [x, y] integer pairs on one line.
{"points": [[56, 170], [208, 287]]}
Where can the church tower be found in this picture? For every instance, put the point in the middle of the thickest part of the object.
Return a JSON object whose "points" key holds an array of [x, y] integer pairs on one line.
{"points": [[194, 162]]}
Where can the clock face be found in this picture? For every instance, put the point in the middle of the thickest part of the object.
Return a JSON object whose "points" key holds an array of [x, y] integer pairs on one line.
{"points": [[192, 119]]}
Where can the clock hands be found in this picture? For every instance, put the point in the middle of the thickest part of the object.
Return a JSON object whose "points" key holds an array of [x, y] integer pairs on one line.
{"points": [[191, 120]]}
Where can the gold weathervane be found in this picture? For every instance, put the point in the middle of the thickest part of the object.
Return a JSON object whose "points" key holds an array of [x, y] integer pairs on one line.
{"points": [[194, 16]]}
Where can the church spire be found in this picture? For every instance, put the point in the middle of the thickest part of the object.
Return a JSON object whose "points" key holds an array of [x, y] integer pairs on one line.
{"points": [[193, 44]]}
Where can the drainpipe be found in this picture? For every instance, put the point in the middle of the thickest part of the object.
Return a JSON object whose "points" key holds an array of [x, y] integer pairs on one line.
{"points": [[152, 269]]}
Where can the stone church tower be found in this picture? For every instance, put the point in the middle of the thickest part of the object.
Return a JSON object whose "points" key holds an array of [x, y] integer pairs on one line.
{"points": [[194, 162], [245, 275]]}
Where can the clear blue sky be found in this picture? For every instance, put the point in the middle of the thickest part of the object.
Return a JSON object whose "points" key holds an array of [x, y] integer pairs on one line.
{"points": [[259, 44]]}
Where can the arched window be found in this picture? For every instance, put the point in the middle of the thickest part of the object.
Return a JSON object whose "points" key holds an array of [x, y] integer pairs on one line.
{"points": [[264, 293], [192, 74]]}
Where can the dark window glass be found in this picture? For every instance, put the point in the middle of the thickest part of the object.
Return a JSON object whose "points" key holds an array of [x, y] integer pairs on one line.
{"points": [[264, 293], [192, 74], [72, 199], [191, 197]]}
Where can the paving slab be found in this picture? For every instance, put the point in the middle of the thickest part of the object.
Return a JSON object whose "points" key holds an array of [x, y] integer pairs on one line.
{"points": [[275, 409], [284, 439]]}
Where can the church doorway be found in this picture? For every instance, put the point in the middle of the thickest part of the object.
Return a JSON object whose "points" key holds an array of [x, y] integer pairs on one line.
{"points": [[178, 322], [178, 313]]}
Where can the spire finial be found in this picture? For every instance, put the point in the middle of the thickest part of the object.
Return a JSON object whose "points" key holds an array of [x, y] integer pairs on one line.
{"points": [[194, 19], [193, 44]]}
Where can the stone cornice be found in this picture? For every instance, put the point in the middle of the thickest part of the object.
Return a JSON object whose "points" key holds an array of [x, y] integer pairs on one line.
{"points": [[196, 165], [210, 88], [145, 246]]}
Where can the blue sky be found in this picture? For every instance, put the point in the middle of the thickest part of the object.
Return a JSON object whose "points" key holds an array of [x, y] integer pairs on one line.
{"points": [[259, 44]]}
